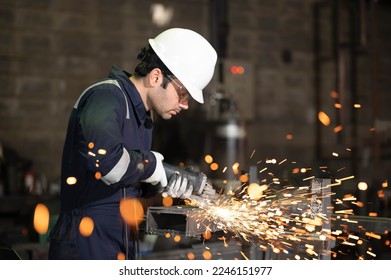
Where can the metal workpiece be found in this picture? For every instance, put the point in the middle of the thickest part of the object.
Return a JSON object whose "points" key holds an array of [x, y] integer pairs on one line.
{"points": [[177, 220]]}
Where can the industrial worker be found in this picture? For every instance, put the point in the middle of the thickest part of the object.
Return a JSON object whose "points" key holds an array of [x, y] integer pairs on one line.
{"points": [[107, 152]]}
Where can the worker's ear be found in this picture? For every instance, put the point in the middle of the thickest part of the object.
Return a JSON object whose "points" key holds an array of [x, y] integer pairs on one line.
{"points": [[155, 77]]}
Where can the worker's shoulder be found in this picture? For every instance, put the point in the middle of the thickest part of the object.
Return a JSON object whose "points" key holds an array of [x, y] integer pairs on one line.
{"points": [[105, 91], [105, 85]]}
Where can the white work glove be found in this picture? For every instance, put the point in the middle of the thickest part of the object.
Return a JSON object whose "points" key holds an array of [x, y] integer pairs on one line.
{"points": [[208, 190], [179, 186], [159, 175]]}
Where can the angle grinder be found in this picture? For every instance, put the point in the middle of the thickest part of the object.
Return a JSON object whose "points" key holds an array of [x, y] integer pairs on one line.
{"points": [[198, 179]]}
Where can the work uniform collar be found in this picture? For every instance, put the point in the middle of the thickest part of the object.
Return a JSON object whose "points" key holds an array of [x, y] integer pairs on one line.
{"points": [[143, 117]]}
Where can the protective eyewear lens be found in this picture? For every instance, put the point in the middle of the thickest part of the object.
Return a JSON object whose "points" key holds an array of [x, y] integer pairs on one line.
{"points": [[183, 94]]}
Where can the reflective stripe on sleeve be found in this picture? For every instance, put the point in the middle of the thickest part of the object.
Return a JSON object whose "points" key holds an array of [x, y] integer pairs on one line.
{"points": [[118, 170]]}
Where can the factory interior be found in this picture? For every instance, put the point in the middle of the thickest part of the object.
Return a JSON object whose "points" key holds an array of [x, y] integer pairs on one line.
{"points": [[297, 111]]}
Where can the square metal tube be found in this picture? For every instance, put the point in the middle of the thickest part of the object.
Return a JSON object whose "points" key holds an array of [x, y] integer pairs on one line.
{"points": [[176, 220]]}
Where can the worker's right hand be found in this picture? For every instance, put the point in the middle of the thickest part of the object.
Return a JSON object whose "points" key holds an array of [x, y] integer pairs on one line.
{"points": [[159, 175], [179, 186]]}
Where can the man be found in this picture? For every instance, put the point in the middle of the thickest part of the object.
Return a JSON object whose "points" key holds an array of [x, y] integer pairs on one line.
{"points": [[107, 153]]}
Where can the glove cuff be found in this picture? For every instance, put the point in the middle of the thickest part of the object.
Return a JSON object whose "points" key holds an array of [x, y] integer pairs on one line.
{"points": [[157, 175]]}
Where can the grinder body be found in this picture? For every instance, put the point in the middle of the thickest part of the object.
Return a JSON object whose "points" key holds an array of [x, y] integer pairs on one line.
{"points": [[198, 179]]}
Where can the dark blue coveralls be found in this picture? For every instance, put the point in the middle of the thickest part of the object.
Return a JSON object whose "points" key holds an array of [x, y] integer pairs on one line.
{"points": [[110, 132]]}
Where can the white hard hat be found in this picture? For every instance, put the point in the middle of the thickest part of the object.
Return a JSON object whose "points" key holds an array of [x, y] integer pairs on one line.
{"points": [[189, 57]]}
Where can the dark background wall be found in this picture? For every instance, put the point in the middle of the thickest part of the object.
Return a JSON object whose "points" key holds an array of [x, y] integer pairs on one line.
{"points": [[51, 50], [298, 53]]}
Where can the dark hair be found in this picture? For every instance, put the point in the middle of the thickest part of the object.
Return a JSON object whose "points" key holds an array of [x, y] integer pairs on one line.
{"points": [[148, 61]]}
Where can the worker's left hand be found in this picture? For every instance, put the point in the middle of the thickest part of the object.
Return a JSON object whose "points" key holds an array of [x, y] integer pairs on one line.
{"points": [[179, 186]]}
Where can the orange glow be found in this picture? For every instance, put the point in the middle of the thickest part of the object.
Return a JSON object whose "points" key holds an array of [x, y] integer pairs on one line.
{"points": [[360, 204], [214, 166], [289, 136], [207, 255], [208, 159], [334, 94], [71, 181], [296, 170], [167, 235], [91, 145], [324, 118], [132, 211], [338, 105], [167, 201], [338, 128], [357, 106], [177, 238], [41, 218], [372, 214], [207, 235], [120, 256], [86, 226], [190, 256], [244, 178], [98, 175]]}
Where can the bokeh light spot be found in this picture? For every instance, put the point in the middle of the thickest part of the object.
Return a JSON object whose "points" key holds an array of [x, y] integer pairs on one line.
{"points": [[41, 218], [214, 166], [208, 159], [207, 235], [167, 201], [324, 118], [255, 191], [244, 178], [120, 256], [86, 226], [190, 256], [71, 181], [207, 255], [132, 211]]}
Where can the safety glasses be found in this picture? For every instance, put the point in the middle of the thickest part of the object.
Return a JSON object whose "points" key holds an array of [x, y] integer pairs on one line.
{"points": [[182, 92]]}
